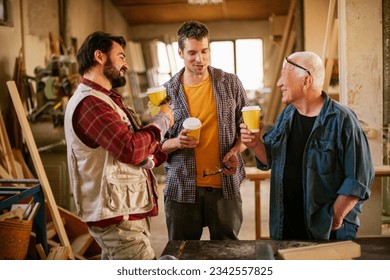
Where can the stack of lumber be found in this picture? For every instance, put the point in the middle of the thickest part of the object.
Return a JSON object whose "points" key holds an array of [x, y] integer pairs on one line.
{"points": [[12, 163], [70, 242]]}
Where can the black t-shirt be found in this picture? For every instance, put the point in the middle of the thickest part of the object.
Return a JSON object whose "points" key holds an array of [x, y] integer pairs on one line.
{"points": [[293, 222]]}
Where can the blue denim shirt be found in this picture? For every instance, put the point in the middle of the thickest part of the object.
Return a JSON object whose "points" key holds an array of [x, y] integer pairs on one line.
{"points": [[336, 161]]}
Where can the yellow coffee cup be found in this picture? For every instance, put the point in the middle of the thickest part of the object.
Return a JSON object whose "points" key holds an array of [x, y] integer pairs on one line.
{"points": [[156, 95], [251, 115], [193, 125]]}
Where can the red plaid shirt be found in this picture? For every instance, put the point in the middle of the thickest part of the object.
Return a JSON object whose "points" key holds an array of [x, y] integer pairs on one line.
{"points": [[97, 124]]}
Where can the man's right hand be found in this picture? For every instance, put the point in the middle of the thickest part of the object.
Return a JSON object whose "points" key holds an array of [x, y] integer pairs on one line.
{"points": [[248, 138], [180, 142], [168, 111]]}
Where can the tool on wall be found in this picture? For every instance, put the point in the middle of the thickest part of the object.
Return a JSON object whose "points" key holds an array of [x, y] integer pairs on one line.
{"points": [[54, 85]]}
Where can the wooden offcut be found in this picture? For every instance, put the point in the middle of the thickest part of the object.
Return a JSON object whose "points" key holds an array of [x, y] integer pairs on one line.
{"points": [[59, 253], [342, 250]]}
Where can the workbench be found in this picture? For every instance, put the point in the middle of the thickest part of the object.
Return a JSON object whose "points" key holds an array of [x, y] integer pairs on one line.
{"points": [[371, 218], [372, 248]]}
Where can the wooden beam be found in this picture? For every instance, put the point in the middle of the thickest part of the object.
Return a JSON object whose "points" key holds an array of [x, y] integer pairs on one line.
{"points": [[275, 100], [27, 174], [27, 133], [329, 27], [6, 147], [331, 54]]}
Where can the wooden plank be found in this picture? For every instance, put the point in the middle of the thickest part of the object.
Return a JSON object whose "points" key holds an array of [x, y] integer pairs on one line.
{"points": [[4, 174], [50, 230], [330, 42], [27, 133], [81, 243], [330, 58], [343, 250], [329, 27], [289, 49], [40, 251], [54, 45], [274, 101], [27, 174], [6, 147], [59, 253]]}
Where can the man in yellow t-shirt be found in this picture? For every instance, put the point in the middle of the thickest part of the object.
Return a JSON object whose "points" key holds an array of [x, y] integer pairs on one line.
{"points": [[203, 175]]}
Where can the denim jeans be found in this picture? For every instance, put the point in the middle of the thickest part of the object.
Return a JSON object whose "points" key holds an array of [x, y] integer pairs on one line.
{"points": [[223, 217], [347, 231]]}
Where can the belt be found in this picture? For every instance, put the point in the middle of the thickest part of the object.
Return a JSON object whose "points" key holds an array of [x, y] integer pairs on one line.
{"points": [[115, 220], [209, 189]]}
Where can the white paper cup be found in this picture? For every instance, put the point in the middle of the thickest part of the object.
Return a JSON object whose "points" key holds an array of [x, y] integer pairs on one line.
{"points": [[193, 125]]}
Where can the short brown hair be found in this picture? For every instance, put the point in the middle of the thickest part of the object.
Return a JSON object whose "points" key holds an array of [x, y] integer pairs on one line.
{"points": [[193, 30]]}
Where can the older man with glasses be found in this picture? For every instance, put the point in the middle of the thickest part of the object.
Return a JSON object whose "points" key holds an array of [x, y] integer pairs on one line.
{"points": [[320, 159]]}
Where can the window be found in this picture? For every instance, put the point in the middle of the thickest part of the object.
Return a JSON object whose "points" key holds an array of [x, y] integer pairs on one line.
{"points": [[243, 57], [222, 55], [178, 61], [249, 63], [164, 66], [4, 12]]}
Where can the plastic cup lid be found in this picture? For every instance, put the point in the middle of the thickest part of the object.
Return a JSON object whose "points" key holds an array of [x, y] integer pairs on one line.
{"points": [[192, 123]]}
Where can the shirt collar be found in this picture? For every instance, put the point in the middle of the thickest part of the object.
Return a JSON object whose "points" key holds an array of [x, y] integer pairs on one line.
{"points": [[97, 87]]}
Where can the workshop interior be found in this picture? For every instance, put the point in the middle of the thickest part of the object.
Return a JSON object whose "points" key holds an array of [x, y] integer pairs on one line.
{"points": [[39, 73]]}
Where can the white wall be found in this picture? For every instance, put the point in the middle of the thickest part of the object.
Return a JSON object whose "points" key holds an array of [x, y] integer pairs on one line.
{"points": [[361, 65], [361, 86], [11, 42]]}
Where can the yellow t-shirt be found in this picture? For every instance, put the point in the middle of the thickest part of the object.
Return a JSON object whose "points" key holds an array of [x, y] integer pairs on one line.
{"points": [[202, 106]]}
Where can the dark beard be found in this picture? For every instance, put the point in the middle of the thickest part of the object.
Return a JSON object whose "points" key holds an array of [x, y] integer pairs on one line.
{"points": [[113, 75]]}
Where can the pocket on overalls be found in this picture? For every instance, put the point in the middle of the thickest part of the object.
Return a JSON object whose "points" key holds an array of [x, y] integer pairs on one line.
{"points": [[127, 191]]}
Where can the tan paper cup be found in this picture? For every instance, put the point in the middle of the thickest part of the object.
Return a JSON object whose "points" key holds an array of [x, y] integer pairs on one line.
{"points": [[251, 115], [156, 95], [193, 125]]}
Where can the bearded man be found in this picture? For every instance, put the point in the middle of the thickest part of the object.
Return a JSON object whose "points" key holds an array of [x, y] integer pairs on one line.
{"points": [[110, 154]]}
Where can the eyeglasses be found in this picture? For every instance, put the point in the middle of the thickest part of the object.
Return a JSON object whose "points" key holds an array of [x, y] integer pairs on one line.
{"points": [[208, 172], [297, 65]]}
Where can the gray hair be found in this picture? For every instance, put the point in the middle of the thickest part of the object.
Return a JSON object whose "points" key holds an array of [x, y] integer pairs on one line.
{"points": [[314, 64]]}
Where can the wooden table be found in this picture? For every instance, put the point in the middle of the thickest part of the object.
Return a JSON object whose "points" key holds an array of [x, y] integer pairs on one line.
{"points": [[371, 218], [372, 248], [256, 175], [372, 209]]}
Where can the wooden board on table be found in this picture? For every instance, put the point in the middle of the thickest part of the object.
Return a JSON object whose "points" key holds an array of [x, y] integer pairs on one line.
{"points": [[342, 250]]}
